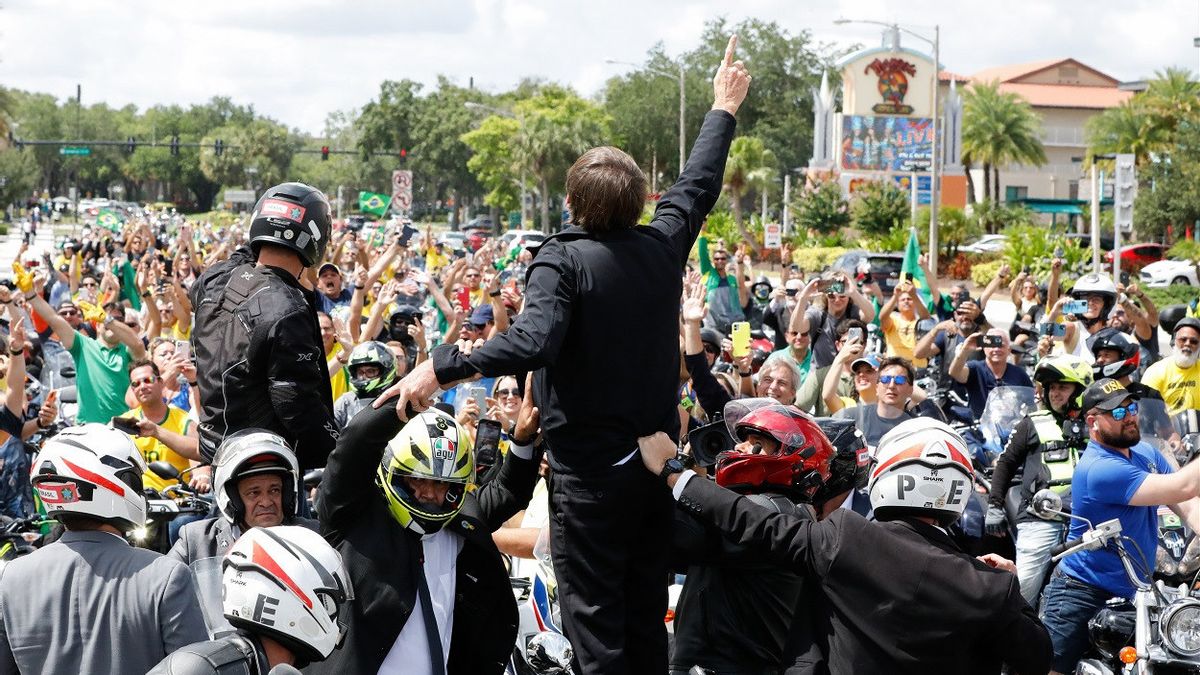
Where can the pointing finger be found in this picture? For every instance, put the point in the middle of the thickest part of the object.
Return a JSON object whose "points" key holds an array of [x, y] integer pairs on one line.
{"points": [[730, 49]]}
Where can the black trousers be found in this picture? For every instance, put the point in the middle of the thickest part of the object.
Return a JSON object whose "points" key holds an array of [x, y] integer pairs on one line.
{"points": [[609, 536]]}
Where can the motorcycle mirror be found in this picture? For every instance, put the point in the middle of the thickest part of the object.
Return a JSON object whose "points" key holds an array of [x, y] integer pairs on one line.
{"points": [[164, 470], [1045, 503], [926, 325], [549, 653]]}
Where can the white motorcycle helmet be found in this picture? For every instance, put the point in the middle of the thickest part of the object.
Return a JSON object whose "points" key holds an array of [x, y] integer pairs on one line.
{"points": [[287, 583], [922, 468], [1096, 284], [91, 470], [253, 452]]}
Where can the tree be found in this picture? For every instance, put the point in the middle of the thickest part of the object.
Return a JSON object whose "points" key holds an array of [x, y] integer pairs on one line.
{"points": [[439, 154], [823, 209], [879, 206], [259, 156], [751, 166], [493, 162], [999, 129]]}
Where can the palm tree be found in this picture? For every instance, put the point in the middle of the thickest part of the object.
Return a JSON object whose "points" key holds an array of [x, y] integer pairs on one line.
{"points": [[1129, 127], [999, 129], [750, 166]]}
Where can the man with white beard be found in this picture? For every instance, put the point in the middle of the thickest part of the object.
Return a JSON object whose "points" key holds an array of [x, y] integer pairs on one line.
{"points": [[1178, 378]]}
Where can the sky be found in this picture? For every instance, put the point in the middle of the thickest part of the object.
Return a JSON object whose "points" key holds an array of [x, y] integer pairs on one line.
{"points": [[297, 60]]}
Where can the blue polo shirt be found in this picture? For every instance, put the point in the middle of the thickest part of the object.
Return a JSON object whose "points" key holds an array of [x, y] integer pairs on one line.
{"points": [[1103, 483], [981, 382]]}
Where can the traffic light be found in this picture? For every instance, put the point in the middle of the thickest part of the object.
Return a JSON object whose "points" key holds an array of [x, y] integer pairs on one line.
{"points": [[218, 147], [174, 146], [130, 144], [403, 154], [1125, 192], [324, 153]]}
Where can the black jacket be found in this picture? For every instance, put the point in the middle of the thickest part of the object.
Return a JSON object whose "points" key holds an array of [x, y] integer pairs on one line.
{"points": [[735, 612], [381, 556], [259, 361], [1021, 470], [900, 597], [600, 323], [212, 537], [238, 654]]}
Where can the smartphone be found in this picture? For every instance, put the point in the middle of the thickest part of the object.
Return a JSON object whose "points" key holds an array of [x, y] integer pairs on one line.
{"points": [[464, 299], [406, 235], [185, 348], [1055, 330], [127, 424], [837, 287], [824, 284], [1025, 269], [476, 392], [791, 292], [459, 253], [1076, 307], [1058, 252], [993, 341], [740, 331], [855, 334], [487, 445], [52, 397]]}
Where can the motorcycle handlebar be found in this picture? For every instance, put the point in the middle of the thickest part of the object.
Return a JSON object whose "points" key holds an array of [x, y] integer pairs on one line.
{"points": [[1065, 546]]}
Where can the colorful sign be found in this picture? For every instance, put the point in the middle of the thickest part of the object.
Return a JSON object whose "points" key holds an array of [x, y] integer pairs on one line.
{"points": [[923, 182], [893, 77], [892, 144]]}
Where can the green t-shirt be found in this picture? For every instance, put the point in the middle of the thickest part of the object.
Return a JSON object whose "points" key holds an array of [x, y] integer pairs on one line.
{"points": [[101, 378]]}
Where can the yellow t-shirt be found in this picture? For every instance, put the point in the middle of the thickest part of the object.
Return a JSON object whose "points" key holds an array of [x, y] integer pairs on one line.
{"points": [[1180, 387], [902, 339], [340, 382], [154, 450]]}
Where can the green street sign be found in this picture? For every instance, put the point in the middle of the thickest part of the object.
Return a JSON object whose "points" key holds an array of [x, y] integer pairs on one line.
{"points": [[74, 150]]}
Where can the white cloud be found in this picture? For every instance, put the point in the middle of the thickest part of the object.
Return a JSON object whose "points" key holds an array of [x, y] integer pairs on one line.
{"points": [[297, 60]]}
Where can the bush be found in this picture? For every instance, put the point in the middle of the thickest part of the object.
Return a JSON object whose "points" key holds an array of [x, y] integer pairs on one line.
{"points": [[822, 209], [878, 207], [1172, 295], [1185, 249], [816, 258], [983, 273], [1033, 246]]}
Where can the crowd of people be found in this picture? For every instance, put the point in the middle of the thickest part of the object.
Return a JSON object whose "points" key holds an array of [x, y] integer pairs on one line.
{"points": [[374, 422]]}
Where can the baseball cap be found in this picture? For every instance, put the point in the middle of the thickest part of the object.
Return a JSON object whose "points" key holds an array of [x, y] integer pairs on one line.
{"points": [[482, 315], [869, 359], [328, 266], [1105, 394], [1187, 322]]}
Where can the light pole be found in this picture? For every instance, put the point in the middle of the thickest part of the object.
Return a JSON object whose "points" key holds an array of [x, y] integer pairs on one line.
{"points": [[682, 102], [935, 167], [472, 105]]}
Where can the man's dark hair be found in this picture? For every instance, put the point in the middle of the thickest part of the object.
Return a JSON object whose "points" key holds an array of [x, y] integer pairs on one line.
{"points": [[140, 363], [845, 325], [606, 190], [899, 361]]}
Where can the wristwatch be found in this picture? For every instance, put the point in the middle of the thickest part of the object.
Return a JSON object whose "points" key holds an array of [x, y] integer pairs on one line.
{"points": [[673, 465]]}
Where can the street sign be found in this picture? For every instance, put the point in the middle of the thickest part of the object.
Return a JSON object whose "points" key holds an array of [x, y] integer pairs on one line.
{"points": [[772, 235], [240, 196], [402, 181], [402, 201], [74, 150]]}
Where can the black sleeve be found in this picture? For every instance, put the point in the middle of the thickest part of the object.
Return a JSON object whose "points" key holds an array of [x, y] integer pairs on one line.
{"points": [[349, 481], [683, 208], [502, 498], [533, 340], [1020, 442], [1023, 641], [711, 394], [298, 383], [695, 543], [10, 423]]}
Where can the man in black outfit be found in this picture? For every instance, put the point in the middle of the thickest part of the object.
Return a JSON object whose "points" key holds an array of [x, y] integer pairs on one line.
{"points": [[601, 313], [259, 361]]}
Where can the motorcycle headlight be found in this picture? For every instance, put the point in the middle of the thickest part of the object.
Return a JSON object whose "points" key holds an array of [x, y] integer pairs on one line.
{"points": [[1164, 564], [1181, 627]]}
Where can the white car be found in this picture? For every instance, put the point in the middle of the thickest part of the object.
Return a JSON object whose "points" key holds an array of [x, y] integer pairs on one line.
{"points": [[1170, 273], [522, 238], [988, 243]]}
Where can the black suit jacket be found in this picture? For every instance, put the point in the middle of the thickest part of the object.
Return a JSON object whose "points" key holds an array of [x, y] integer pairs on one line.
{"points": [[900, 597], [381, 556]]}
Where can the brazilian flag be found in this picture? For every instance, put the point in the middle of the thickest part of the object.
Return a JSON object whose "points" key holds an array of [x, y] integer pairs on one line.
{"points": [[373, 202], [110, 220], [911, 268]]}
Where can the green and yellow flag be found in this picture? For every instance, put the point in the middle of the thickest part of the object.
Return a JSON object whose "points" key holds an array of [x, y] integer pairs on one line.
{"points": [[373, 202], [110, 220], [911, 269]]}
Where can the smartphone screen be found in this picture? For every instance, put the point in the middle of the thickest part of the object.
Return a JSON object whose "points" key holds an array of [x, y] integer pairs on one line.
{"points": [[741, 339], [406, 235], [185, 348], [487, 444]]}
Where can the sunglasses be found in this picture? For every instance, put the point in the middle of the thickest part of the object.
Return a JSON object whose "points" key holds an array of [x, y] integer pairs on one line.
{"points": [[144, 380], [1119, 414], [899, 380], [68, 312], [1187, 341], [507, 392]]}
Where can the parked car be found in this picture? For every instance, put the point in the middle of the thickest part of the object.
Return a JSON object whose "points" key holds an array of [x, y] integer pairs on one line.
{"points": [[884, 267], [1136, 256], [480, 223], [988, 243], [455, 241], [1169, 273], [522, 238], [1085, 240]]}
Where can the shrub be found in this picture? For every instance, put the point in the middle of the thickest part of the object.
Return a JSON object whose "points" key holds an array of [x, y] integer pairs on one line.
{"points": [[1185, 249], [983, 273], [1172, 295], [878, 207], [816, 258], [822, 209]]}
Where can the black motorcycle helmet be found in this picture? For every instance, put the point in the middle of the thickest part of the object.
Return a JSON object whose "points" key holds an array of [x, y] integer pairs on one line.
{"points": [[400, 320], [1111, 338], [1170, 315], [294, 216], [851, 463]]}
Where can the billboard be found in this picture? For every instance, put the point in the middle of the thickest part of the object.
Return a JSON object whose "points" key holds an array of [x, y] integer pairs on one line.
{"points": [[892, 144]]}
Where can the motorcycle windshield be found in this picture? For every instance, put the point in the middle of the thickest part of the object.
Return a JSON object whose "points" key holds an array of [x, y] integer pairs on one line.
{"points": [[207, 575], [1005, 407]]}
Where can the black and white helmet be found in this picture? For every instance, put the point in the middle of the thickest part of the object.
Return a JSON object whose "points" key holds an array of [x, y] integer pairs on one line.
{"points": [[295, 216]]}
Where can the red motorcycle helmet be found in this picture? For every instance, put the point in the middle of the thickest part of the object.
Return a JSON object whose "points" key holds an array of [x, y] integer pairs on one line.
{"points": [[799, 468]]}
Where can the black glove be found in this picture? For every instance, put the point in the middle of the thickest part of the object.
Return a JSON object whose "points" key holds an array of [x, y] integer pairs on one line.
{"points": [[995, 524]]}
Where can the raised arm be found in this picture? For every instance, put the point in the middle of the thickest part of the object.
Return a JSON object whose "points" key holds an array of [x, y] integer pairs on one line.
{"points": [[958, 367], [66, 334]]}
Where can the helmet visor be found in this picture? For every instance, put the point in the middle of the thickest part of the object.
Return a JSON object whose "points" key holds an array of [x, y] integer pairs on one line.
{"points": [[432, 499]]}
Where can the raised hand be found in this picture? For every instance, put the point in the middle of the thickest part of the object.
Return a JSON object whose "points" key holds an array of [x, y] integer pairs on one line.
{"points": [[731, 82]]}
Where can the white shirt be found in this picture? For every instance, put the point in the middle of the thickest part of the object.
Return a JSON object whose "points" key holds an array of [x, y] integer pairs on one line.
{"points": [[410, 652]]}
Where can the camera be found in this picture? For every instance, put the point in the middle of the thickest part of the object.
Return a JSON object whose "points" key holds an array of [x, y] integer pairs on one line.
{"points": [[709, 441], [993, 341]]}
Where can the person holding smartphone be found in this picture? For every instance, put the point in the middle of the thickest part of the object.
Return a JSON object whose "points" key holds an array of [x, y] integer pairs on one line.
{"points": [[981, 376]]}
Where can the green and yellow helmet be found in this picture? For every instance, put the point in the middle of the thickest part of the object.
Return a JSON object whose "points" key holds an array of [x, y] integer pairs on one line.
{"points": [[1064, 368], [371, 353], [431, 446]]}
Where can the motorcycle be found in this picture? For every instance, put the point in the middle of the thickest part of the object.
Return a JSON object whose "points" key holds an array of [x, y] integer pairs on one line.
{"points": [[541, 647], [1178, 556], [164, 507], [1161, 624], [20, 537]]}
